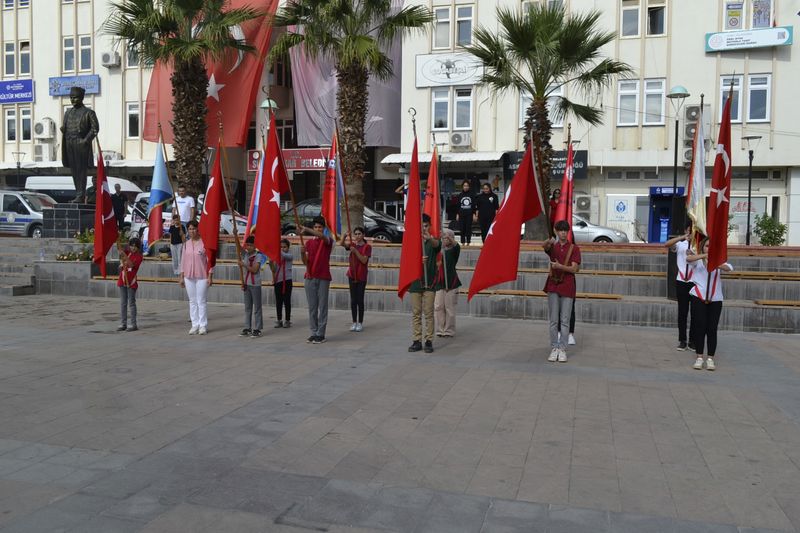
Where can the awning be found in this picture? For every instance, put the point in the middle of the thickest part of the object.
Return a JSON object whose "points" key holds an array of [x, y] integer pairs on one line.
{"points": [[122, 163], [446, 157]]}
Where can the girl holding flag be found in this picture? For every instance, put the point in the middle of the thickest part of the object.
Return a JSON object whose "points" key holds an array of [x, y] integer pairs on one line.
{"points": [[360, 252]]}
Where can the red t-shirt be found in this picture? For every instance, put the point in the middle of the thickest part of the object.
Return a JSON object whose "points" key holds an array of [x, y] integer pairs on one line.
{"points": [[319, 258], [358, 270], [558, 253], [127, 275], [553, 207]]}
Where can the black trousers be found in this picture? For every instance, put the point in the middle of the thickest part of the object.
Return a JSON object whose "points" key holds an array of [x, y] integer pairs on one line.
{"points": [[484, 224], [357, 290], [465, 226], [682, 292], [705, 319], [283, 299]]}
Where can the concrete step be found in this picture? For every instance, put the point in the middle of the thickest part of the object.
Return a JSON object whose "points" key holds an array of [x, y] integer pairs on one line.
{"points": [[16, 285]]}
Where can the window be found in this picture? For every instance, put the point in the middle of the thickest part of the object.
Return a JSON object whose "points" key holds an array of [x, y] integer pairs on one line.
{"points": [[614, 175], [11, 125], [12, 204], [654, 102], [762, 14], [628, 103], [463, 25], [86, 52], [736, 102], [651, 175], [758, 87], [656, 17], [69, 54], [441, 109], [9, 59], [23, 3], [524, 103], [8, 4], [632, 175], [463, 108], [554, 96], [630, 18], [131, 57], [286, 132], [441, 33], [25, 118], [132, 120], [24, 58]]}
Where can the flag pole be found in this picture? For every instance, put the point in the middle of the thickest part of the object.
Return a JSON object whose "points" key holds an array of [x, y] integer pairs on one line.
{"points": [[413, 113], [225, 189], [344, 182], [438, 207]]}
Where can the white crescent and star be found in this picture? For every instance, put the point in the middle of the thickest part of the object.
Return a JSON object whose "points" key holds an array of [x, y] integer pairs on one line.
{"points": [[213, 87], [208, 190], [722, 152], [720, 195]]}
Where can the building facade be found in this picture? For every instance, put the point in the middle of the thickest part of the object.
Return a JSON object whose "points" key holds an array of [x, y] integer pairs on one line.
{"points": [[628, 179]]}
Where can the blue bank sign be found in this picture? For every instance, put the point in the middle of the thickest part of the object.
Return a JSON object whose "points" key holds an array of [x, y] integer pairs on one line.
{"points": [[61, 86], [17, 92]]}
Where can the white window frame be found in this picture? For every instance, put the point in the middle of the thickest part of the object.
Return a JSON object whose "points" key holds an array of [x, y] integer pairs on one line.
{"points": [[10, 117], [8, 4], [65, 49], [761, 87], [23, 3], [649, 92], [461, 99], [20, 55], [524, 103], [750, 18], [25, 115], [628, 5], [725, 82], [131, 57], [81, 49], [656, 4], [627, 92], [437, 21], [439, 99], [129, 113], [9, 53], [460, 20]]}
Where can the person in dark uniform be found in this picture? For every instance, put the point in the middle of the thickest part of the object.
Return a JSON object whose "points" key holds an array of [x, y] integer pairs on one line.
{"points": [[79, 130], [487, 204], [120, 203], [466, 212]]}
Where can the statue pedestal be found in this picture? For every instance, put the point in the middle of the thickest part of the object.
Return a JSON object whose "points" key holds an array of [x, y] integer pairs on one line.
{"points": [[64, 221]]}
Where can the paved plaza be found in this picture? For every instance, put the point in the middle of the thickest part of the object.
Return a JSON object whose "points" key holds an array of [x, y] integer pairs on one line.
{"points": [[157, 431]]}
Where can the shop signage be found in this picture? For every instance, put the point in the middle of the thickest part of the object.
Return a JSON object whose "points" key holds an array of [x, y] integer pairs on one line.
{"points": [[665, 191], [580, 162], [16, 92], [305, 158], [253, 159], [444, 70], [738, 40], [61, 86]]}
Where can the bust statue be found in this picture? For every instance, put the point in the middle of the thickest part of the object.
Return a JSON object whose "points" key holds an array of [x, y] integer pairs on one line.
{"points": [[79, 129]]}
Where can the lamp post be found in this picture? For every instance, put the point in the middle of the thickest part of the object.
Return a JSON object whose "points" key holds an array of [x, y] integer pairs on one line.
{"points": [[676, 96], [18, 157], [747, 139]]}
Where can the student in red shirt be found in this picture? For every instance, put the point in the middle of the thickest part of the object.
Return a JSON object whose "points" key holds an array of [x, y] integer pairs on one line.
{"points": [[565, 260], [360, 252], [316, 256], [130, 258]]}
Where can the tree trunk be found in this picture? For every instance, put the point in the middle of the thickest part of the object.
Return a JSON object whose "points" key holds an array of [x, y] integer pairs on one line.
{"points": [[352, 102], [189, 86], [538, 126]]}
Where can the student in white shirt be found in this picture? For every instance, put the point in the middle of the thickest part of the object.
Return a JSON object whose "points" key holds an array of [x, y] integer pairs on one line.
{"points": [[186, 206], [683, 284], [706, 301]]}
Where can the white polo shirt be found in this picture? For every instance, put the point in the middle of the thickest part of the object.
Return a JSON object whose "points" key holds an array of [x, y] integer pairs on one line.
{"points": [[185, 206], [685, 270], [707, 288]]}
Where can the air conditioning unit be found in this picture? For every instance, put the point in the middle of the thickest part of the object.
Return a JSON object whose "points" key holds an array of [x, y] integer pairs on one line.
{"points": [[44, 129], [585, 206], [110, 59], [461, 139], [44, 152], [111, 155]]}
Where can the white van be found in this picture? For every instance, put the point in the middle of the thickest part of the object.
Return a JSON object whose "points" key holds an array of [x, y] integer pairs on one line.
{"points": [[62, 188]]}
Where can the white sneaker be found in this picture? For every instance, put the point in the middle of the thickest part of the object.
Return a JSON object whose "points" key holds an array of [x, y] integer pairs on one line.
{"points": [[698, 364], [553, 355], [193, 331], [571, 340], [710, 364], [562, 356], [353, 327], [359, 327], [203, 331]]}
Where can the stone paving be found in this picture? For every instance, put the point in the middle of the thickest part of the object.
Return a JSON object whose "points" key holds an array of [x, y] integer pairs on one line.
{"points": [[157, 431]]}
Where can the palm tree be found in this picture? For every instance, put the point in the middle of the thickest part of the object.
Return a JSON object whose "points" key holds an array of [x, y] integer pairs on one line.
{"points": [[354, 35], [184, 34], [536, 52]]}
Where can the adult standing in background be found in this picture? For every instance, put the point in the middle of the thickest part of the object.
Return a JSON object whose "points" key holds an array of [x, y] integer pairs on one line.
{"points": [[487, 204], [78, 131], [120, 204], [466, 212], [186, 206], [196, 277], [446, 283]]}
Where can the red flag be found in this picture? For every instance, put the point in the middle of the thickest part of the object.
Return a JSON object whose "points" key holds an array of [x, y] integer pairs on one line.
{"points": [[105, 225], [214, 204], [564, 209], [331, 211], [432, 206], [411, 252], [155, 225], [233, 84], [720, 198], [268, 226], [499, 257]]}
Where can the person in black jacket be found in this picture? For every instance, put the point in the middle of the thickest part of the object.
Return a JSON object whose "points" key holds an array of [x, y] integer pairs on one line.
{"points": [[466, 212], [487, 204]]}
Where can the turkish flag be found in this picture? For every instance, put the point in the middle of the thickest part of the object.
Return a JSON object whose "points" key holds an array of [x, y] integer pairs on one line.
{"points": [[105, 224], [432, 206], [499, 257], [564, 209], [331, 194], [411, 252], [720, 198], [274, 182], [233, 84], [214, 204]]}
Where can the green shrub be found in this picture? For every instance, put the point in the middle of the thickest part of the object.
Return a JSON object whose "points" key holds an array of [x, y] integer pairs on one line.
{"points": [[769, 231]]}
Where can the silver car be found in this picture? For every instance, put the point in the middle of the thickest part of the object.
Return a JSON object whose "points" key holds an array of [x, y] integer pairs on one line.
{"points": [[21, 212], [585, 231]]}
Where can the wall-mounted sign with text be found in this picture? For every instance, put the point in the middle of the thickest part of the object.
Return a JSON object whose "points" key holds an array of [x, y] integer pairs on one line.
{"points": [[443, 70], [16, 92], [61, 86], [738, 40], [305, 158]]}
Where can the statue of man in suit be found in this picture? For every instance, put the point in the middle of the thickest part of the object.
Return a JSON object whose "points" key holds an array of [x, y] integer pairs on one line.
{"points": [[79, 130]]}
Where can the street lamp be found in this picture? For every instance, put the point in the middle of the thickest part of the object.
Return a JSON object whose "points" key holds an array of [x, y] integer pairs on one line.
{"points": [[18, 157], [747, 139], [676, 96]]}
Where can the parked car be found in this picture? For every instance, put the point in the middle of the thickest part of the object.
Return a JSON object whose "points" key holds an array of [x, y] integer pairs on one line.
{"points": [[21, 212], [585, 231], [62, 188], [378, 226], [137, 217]]}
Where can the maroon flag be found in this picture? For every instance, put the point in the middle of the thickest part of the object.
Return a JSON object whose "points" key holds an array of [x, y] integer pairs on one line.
{"points": [[411, 252], [105, 224], [564, 209]]}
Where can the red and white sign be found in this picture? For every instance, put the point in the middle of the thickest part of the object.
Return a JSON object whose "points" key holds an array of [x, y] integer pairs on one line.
{"points": [[253, 159], [305, 158]]}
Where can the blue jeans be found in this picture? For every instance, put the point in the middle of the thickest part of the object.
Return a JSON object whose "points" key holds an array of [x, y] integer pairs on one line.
{"points": [[559, 307]]}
